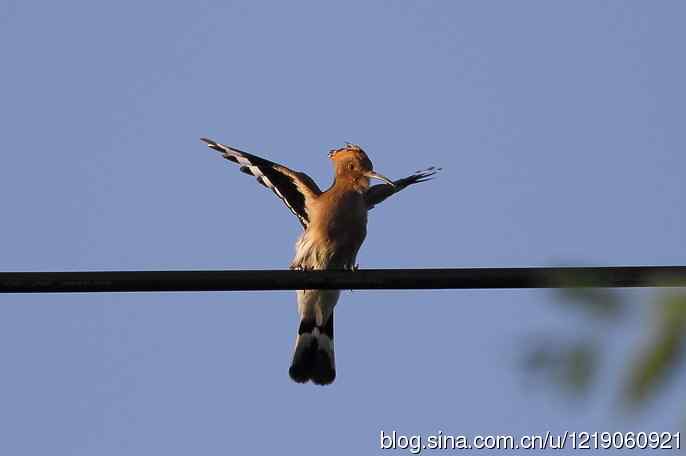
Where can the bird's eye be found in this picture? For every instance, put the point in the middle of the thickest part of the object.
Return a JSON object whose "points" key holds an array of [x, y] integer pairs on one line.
{"points": [[351, 166]]}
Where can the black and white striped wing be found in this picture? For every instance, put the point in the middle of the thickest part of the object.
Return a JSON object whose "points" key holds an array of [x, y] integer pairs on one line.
{"points": [[380, 192], [295, 189]]}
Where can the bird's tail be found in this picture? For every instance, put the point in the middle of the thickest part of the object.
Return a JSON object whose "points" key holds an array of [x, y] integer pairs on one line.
{"points": [[313, 357]]}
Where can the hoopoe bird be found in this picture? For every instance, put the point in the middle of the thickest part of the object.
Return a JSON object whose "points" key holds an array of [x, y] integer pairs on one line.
{"points": [[334, 226]]}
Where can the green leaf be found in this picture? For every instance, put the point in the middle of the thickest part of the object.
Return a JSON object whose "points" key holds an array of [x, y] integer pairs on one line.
{"points": [[662, 354], [595, 302], [571, 366]]}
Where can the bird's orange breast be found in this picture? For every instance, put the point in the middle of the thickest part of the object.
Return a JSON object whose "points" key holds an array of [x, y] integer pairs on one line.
{"points": [[338, 225]]}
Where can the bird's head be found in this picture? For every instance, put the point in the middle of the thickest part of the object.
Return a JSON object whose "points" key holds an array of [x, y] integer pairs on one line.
{"points": [[351, 164]]}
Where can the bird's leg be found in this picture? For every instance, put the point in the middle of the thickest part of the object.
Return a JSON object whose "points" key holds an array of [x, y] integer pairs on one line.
{"points": [[354, 268]]}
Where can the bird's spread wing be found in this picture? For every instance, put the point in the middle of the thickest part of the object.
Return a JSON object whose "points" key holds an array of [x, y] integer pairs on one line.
{"points": [[378, 193], [295, 189]]}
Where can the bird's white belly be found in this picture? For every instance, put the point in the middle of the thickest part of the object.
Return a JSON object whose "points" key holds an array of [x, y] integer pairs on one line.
{"points": [[329, 250]]}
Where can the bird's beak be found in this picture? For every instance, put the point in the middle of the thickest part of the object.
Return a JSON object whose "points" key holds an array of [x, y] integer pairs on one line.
{"points": [[376, 175]]}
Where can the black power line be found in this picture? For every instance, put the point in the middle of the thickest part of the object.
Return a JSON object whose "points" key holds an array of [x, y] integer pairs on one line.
{"points": [[370, 279]]}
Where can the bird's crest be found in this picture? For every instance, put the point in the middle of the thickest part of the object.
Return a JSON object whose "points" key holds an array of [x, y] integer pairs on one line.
{"points": [[348, 147]]}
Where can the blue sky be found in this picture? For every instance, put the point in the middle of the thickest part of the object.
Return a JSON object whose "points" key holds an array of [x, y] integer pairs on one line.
{"points": [[559, 126]]}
